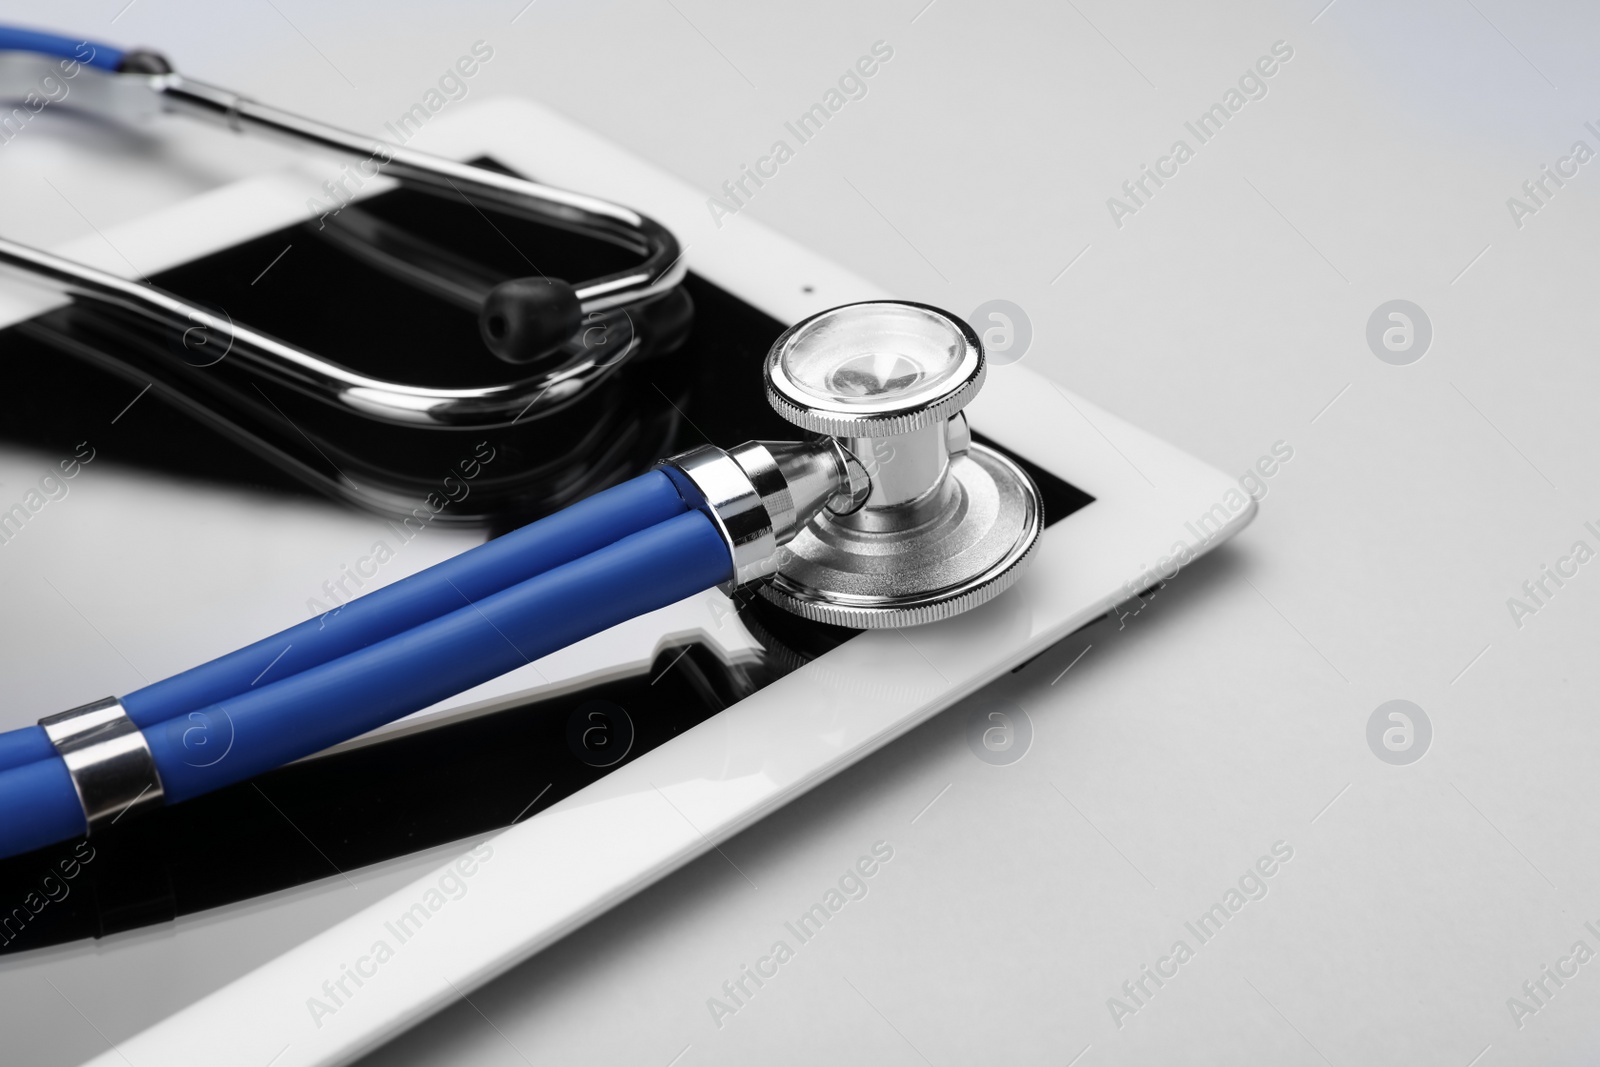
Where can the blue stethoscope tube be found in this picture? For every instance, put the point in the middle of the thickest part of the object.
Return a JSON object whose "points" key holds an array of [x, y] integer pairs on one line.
{"points": [[363, 690], [567, 535], [585, 527], [40, 807], [271, 724], [56, 46]]}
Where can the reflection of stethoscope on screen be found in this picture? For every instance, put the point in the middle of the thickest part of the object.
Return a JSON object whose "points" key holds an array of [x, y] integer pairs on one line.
{"points": [[559, 342], [886, 514]]}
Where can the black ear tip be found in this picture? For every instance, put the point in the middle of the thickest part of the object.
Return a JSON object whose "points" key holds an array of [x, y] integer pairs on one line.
{"points": [[526, 319], [143, 61]]}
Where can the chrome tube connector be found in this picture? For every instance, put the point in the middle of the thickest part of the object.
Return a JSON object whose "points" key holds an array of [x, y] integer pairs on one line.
{"points": [[108, 758], [761, 494]]}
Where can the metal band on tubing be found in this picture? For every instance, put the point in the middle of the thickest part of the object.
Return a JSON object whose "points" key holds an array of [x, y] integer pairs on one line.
{"points": [[109, 760]]}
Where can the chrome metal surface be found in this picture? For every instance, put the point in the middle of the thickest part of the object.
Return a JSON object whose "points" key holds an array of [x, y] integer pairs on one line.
{"points": [[957, 434], [944, 524], [972, 549], [761, 495], [903, 469], [484, 407], [821, 469], [661, 270], [109, 761], [877, 369], [397, 251], [717, 484]]}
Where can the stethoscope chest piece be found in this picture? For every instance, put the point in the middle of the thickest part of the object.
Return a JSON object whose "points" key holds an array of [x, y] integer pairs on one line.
{"points": [[947, 524]]}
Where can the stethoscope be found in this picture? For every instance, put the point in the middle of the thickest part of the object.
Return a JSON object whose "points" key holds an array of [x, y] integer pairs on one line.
{"points": [[885, 514], [561, 341]]}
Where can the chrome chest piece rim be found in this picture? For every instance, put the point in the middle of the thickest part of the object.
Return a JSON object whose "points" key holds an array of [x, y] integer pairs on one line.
{"points": [[868, 581], [876, 369], [947, 524]]}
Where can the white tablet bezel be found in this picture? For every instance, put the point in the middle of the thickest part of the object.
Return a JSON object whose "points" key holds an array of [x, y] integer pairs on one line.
{"points": [[511, 895]]}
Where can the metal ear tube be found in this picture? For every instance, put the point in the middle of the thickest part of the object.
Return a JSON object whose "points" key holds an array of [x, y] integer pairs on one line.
{"points": [[892, 516]]}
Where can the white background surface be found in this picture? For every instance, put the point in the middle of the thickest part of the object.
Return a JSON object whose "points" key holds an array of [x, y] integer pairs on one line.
{"points": [[1224, 316]]}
